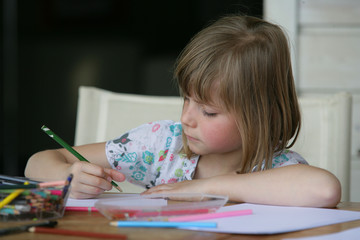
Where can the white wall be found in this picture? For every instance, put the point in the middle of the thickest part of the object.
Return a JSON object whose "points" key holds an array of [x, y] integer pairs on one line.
{"points": [[325, 38]]}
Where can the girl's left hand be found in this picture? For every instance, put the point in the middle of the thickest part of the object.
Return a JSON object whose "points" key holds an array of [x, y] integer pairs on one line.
{"points": [[192, 186]]}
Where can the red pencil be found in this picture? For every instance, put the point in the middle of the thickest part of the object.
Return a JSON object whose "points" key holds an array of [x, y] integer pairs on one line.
{"points": [[75, 233], [81, 209], [125, 214]]}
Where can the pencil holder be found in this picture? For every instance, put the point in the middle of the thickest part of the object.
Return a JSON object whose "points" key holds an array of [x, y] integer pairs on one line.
{"points": [[33, 202]]}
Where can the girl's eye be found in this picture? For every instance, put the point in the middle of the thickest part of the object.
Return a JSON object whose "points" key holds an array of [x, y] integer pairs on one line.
{"points": [[209, 114]]}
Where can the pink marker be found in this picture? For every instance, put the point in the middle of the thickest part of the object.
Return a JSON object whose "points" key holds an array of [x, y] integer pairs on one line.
{"points": [[206, 216]]}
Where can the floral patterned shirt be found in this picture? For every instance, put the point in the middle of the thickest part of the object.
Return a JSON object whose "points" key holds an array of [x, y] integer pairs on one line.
{"points": [[149, 155]]}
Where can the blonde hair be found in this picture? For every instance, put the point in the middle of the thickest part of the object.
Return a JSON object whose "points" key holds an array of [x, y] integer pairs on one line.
{"points": [[249, 61]]}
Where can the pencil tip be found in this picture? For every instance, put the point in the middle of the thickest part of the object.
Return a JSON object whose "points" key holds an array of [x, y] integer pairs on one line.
{"points": [[118, 188]]}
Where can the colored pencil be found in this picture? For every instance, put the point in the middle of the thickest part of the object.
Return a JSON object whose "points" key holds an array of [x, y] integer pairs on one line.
{"points": [[76, 233], [39, 185], [22, 208], [12, 195], [172, 212], [81, 209], [5, 179], [196, 217], [127, 213], [160, 224], [67, 185], [24, 228], [70, 149]]}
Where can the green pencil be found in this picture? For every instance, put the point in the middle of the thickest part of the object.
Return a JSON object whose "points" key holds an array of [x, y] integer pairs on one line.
{"points": [[70, 149]]}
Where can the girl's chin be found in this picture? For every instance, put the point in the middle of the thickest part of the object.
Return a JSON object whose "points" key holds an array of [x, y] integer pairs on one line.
{"points": [[195, 150]]}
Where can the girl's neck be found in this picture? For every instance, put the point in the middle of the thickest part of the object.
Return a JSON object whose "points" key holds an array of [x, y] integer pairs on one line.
{"points": [[217, 164]]}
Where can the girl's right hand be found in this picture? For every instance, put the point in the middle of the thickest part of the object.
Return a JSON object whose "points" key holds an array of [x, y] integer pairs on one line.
{"points": [[91, 180]]}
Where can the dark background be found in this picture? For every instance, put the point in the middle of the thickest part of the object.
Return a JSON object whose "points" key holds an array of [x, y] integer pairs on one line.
{"points": [[51, 47]]}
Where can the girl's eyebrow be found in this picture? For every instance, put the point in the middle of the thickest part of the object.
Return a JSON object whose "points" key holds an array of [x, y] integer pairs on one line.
{"points": [[214, 107], [211, 104]]}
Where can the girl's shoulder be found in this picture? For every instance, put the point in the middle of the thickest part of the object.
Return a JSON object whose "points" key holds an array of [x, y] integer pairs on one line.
{"points": [[162, 125], [286, 158], [162, 129], [150, 134]]}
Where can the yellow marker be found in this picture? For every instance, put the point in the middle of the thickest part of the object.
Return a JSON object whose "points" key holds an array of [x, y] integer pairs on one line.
{"points": [[12, 196]]}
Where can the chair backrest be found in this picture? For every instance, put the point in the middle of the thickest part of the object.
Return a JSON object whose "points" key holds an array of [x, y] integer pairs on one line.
{"points": [[103, 115], [325, 137]]}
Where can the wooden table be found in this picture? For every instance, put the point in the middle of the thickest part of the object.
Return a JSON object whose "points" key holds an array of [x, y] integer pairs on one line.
{"points": [[95, 222]]}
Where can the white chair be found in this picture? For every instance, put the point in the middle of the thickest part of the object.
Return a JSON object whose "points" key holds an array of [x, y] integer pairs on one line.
{"points": [[325, 136], [324, 139], [103, 115]]}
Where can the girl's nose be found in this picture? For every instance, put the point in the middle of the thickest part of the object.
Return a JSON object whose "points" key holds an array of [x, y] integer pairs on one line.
{"points": [[188, 114]]}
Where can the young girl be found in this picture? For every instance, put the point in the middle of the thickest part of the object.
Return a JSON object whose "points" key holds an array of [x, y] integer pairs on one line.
{"points": [[240, 116]]}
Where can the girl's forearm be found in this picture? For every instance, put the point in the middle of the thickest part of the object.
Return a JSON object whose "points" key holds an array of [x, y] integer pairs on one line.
{"points": [[47, 165], [296, 185]]}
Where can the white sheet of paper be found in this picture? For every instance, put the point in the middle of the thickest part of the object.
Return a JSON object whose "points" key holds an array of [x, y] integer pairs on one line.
{"points": [[265, 219], [72, 202], [351, 234], [277, 219]]}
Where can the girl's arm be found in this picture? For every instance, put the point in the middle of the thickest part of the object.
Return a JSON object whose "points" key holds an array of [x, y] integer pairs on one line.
{"points": [[295, 185], [90, 179]]}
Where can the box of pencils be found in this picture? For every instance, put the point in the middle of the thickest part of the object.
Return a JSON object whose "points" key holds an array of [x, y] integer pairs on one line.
{"points": [[159, 207], [23, 202]]}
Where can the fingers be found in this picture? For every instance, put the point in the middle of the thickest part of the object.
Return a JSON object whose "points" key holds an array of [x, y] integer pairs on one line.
{"points": [[163, 188], [85, 192], [115, 175], [193, 186], [89, 180]]}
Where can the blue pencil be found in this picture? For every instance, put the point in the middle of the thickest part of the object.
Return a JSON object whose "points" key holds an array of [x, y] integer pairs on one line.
{"points": [[156, 224]]}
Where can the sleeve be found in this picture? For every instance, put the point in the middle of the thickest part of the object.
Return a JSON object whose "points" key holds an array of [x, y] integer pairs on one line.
{"points": [[136, 152], [287, 158]]}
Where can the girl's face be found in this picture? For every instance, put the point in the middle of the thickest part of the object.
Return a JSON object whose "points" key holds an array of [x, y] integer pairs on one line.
{"points": [[209, 129]]}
